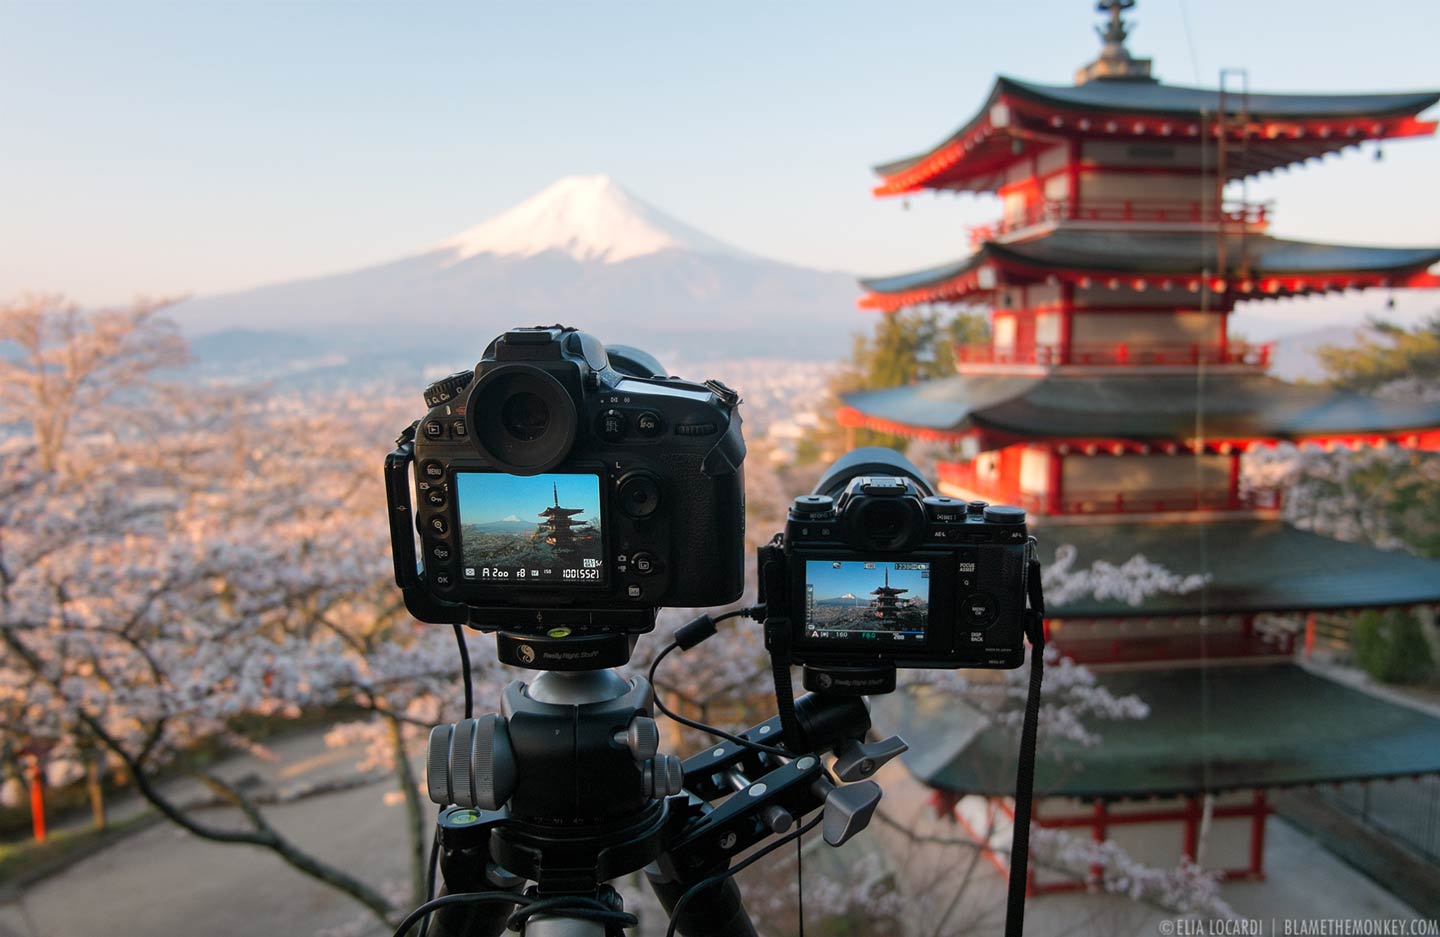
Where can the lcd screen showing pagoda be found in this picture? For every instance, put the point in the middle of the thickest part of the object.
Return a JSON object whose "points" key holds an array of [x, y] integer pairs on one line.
{"points": [[864, 601], [530, 529]]}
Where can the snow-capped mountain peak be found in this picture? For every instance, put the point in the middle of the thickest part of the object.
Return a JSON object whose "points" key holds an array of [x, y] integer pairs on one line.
{"points": [[588, 217]]}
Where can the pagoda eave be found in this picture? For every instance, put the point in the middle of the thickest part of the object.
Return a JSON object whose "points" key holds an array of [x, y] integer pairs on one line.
{"points": [[987, 438], [1260, 267], [1126, 412], [1277, 130]]}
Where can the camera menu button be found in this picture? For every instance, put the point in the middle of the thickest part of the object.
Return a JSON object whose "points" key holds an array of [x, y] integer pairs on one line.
{"points": [[979, 610]]}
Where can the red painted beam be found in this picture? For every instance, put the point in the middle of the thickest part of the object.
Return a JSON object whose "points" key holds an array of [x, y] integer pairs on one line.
{"points": [[37, 799]]}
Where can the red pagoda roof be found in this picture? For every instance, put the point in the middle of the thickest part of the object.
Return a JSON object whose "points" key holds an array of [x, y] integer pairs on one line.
{"points": [[1279, 129], [1141, 407], [1259, 265]]}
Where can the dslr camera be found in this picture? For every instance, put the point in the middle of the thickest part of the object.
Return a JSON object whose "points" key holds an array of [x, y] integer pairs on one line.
{"points": [[874, 572], [564, 493]]}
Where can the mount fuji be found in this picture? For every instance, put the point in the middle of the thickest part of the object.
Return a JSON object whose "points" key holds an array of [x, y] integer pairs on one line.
{"points": [[583, 252]]}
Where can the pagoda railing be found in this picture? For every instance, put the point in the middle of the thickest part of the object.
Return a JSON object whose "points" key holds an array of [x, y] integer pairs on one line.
{"points": [[1122, 353], [1153, 501], [1124, 210]]}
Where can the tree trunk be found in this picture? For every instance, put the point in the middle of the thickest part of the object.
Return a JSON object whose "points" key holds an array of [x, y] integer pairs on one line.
{"points": [[414, 814], [94, 786]]}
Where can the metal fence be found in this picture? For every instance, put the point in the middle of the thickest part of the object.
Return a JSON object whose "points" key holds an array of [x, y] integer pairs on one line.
{"points": [[1407, 811]]}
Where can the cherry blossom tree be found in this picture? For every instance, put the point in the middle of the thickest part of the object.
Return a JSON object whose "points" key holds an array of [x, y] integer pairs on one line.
{"points": [[175, 558]]}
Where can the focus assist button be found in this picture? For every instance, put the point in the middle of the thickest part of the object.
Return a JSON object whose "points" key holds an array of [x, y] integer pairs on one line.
{"points": [[979, 610], [648, 423], [644, 563], [612, 426], [438, 524], [639, 496]]}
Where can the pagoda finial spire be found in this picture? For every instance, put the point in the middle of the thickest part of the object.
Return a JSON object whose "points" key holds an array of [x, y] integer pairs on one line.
{"points": [[1114, 32], [1115, 61]]}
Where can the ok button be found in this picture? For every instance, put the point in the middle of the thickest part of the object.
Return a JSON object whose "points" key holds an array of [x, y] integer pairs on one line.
{"points": [[979, 610]]}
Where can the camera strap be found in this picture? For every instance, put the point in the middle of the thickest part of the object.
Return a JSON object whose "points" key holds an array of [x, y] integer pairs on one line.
{"points": [[1025, 768], [777, 635]]}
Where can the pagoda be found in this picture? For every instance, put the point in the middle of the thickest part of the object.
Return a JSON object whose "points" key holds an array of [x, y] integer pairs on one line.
{"points": [[888, 604], [1112, 404], [560, 529]]}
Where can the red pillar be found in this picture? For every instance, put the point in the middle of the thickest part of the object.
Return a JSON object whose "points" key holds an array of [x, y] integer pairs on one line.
{"points": [[1309, 633], [37, 799], [1257, 835], [1055, 484], [1067, 320], [1072, 171], [1234, 490], [1191, 847]]}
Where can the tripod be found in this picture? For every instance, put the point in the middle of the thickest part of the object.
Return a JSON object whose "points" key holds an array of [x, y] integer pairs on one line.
{"points": [[566, 789]]}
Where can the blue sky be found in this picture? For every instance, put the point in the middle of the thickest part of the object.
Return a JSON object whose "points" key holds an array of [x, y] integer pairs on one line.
{"points": [[485, 496], [164, 148], [854, 578]]}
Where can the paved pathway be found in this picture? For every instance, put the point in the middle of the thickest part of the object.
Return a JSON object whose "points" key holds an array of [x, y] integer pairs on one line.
{"points": [[163, 881]]}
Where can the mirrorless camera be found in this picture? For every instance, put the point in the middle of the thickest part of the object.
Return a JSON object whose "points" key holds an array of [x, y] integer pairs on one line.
{"points": [[875, 571], [564, 491]]}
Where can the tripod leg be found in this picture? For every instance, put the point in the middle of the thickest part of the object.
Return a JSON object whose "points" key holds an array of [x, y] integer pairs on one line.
{"points": [[469, 870], [715, 911]]}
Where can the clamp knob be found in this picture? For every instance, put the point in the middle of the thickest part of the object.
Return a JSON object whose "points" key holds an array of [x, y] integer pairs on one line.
{"points": [[856, 761], [641, 737], [848, 809], [470, 763], [662, 776]]}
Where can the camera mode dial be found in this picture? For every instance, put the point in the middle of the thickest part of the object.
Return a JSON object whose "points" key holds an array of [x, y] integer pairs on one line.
{"points": [[447, 388], [941, 508]]}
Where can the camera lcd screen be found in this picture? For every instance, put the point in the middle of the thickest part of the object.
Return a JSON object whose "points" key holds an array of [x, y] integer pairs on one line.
{"points": [[524, 529], [867, 601]]}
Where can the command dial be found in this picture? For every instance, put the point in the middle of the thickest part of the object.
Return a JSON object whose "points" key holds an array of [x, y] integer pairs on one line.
{"points": [[447, 388]]}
